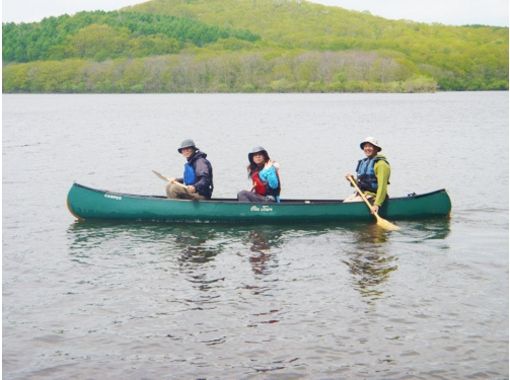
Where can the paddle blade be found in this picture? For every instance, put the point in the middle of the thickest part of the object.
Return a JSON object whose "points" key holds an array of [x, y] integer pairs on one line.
{"points": [[387, 225]]}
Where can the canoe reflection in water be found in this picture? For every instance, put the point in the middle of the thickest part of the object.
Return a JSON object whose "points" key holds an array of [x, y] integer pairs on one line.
{"points": [[164, 245], [196, 251], [188, 246]]}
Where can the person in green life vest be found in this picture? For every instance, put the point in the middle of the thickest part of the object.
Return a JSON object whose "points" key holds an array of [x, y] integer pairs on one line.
{"points": [[372, 175]]}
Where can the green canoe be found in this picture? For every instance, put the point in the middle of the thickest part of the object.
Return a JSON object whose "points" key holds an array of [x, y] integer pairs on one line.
{"points": [[86, 203]]}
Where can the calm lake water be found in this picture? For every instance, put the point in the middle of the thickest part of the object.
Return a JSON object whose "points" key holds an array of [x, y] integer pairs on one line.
{"points": [[156, 301]]}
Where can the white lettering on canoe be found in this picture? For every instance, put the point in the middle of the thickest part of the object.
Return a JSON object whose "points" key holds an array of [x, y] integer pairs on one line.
{"points": [[263, 208], [110, 196]]}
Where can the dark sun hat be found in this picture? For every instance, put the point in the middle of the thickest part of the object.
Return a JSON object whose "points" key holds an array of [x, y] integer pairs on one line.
{"points": [[188, 143]]}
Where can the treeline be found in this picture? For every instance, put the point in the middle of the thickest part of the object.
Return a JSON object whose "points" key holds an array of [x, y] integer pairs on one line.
{"points": [[457, 58], [353, 71], [101, 35], [248, 46]]}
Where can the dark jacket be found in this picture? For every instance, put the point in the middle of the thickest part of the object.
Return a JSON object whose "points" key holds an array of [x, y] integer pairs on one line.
{"points": [[203, 174]]}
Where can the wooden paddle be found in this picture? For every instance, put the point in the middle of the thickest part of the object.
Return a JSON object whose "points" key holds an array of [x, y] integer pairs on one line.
{"points": [[383, 223], [168, 179]]}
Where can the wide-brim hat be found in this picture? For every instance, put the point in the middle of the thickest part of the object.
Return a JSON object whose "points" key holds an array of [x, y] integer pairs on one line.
{"points": [[188, 143], [257, 149], [372, 141]]}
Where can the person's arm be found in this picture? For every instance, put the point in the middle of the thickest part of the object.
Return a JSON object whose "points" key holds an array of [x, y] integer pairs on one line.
{"points": [[382, 172], [203, 175], [269, 175]]}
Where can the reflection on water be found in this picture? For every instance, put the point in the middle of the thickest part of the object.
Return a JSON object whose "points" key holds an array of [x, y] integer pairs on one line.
{"points": [[137, 301], [195, 247], [366, 247], [190, 246], [370, 259], [428, 230], [267, 277], [195, 244], [192, 250], [261, 241]]}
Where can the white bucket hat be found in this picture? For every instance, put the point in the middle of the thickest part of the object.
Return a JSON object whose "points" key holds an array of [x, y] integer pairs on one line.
{"points": [[370, 140]]}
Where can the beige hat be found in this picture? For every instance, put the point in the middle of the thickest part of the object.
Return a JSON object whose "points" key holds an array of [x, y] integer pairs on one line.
{"points": [[372, 141]]}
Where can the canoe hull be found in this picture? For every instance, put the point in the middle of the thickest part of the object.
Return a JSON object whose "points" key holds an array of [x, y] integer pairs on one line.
{"points": [[86, 203]]}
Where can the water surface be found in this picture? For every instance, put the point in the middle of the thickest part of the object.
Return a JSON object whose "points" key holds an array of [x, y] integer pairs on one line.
{"points": [[110, 301]]}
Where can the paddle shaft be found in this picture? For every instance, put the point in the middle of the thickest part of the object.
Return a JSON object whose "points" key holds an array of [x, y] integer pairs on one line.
{"points": [[168, 179], [360, 193], [380, 221]]}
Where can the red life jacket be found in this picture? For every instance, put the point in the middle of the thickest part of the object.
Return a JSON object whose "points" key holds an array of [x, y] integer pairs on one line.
{"points": [[258, 185]]}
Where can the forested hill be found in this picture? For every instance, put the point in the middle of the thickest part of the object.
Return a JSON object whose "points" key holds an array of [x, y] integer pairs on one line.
{"points": [[101, 35], [248, 46]]}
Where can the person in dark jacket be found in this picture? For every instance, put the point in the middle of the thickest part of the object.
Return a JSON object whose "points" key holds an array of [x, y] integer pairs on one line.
{"points": [[197, 180]]}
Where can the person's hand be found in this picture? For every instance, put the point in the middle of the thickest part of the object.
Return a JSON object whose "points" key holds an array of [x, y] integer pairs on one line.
{"points": [[375, 209], [171, 180], [191, 188]]}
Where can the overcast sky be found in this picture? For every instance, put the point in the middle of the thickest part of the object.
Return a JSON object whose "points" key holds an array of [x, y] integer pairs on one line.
{"points": [[451, 12]]}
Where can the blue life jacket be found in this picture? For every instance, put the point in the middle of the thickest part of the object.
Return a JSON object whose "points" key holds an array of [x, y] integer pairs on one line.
{"points": [[367, 181], [189, 176]]}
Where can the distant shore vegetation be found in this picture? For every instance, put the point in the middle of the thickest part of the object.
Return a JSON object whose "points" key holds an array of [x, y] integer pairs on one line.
{"points": [[167, 46]]}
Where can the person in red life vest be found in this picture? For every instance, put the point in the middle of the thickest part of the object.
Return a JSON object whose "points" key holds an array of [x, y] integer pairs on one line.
{"points": [[265, 176]]}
